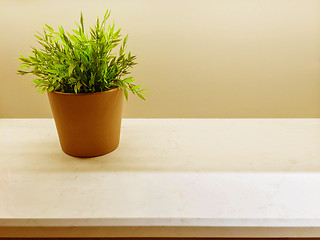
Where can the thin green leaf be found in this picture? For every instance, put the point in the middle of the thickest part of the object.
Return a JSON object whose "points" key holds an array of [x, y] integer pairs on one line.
{"points": [[125, 91], [51, 71], [81, 22], [128, 80], [125, 40], [49, 28], [136, 87], [72, 67], [76, 32], [140, 96]]}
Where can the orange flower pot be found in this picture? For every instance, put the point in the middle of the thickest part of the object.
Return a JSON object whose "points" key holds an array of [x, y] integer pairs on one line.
{"points": [[88, 124]]}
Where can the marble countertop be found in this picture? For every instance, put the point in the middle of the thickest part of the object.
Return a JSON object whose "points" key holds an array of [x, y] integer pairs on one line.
{"points": [[169, 177]]}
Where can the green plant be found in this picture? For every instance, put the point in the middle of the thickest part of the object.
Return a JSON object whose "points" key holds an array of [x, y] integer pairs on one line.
{"points": [[81, 63]]}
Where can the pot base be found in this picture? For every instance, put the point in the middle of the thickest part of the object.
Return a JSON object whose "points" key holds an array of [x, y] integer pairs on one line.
{"points": [[89, 156]]}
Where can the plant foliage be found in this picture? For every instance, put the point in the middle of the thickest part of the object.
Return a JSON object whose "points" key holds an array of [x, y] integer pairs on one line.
{"points": [[79, 62]]}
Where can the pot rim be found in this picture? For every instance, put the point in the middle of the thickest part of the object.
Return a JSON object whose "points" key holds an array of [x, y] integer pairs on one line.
{"points": [[79, 94]]}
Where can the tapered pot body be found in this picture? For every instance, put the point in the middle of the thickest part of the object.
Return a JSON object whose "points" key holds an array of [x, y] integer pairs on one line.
{"points": [[88, 124]]}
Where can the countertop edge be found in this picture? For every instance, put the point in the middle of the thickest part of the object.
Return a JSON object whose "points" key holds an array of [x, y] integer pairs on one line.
{"points": [[157, 222]]}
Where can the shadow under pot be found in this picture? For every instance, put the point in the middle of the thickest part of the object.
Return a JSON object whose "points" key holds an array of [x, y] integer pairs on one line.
{"points": [[88, 124]]}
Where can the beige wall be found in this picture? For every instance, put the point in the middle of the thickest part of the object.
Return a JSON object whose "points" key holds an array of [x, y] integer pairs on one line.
{"points": [[200, 58]]}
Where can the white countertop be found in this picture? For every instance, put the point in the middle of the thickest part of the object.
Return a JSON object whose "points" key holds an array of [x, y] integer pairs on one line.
{"points": [[186, 177]]}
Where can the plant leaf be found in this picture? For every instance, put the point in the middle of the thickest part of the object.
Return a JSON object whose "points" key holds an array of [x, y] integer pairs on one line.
{"points": [[125, 91], [71, 68], [136, 87], [81, 22], [140, 96], [128, 80]]}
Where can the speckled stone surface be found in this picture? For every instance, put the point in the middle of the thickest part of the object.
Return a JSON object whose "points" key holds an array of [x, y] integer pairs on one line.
{"points": [[237, 174]]}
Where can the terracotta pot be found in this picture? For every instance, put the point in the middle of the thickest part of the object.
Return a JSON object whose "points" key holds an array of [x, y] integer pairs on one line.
{"points": [[88, 124]]}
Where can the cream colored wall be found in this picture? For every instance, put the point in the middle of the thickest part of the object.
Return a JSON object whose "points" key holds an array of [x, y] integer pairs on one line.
{"points": [[200, 58]]}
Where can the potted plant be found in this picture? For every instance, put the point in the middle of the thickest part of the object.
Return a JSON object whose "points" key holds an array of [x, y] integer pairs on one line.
{"points": [[85, 82]]}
